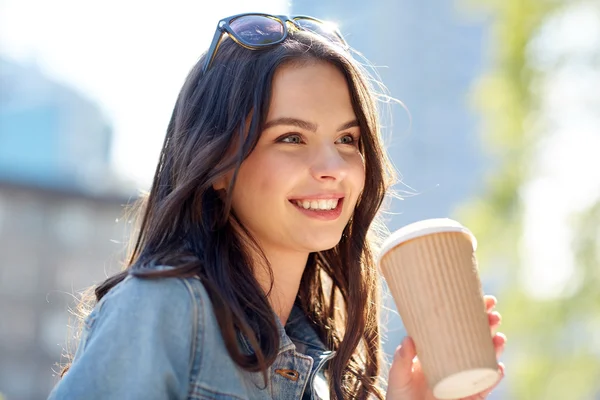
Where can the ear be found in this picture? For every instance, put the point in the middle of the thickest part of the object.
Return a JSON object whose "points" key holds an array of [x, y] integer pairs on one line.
{"points": [[222, 184]]}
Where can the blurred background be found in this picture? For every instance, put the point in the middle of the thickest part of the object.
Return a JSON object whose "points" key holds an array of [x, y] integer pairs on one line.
{"points": [[504, 97]]}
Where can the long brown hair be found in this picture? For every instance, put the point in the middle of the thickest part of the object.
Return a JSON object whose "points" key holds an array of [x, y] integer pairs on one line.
{"points": [[185, 223]]}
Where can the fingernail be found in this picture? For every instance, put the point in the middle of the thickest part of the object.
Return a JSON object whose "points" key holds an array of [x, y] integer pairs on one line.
{"points": [[402, 351], [403, 348]]}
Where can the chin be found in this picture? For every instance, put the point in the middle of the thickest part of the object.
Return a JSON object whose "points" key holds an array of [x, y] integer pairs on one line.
{"points": [[326, 243]]}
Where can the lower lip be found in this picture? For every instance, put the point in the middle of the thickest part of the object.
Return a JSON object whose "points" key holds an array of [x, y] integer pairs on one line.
{"points": [[323, 215]]}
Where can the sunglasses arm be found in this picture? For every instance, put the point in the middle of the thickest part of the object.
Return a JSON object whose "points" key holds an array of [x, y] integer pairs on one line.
{"points": [[212, 50]]}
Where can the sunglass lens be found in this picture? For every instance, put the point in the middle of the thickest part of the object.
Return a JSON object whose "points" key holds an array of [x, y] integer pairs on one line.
{"points": [[320, 28], [257, 29]]}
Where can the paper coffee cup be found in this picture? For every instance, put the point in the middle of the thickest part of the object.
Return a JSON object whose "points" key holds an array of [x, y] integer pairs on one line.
{"points": [[431, 271]]}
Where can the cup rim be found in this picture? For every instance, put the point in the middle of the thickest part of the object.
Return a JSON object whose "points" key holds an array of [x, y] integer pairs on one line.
{"points": [[423, 228]]}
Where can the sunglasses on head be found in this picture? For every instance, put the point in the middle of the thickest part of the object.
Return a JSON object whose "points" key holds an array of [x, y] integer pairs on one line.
{"points": [[256, 31]]}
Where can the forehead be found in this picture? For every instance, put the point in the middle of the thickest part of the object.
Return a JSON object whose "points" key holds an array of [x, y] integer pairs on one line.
{"points": [[310, 90]]}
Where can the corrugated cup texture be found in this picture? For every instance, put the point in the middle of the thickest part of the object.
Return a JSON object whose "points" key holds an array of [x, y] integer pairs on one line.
{"points": [[437, 290]]}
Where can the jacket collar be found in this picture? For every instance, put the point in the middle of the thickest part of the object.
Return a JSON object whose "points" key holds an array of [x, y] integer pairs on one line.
{"points": [[297, 334], [301, 331]]}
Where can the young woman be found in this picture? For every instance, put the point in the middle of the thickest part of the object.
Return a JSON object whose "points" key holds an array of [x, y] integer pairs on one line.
{"points": [[253, 273]]}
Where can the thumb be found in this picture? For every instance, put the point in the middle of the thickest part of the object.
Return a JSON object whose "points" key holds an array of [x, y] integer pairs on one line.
{"points": [[402, 366]]}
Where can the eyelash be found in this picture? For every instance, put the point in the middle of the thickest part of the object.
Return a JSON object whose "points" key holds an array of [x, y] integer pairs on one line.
{"points": [[283, 138]]}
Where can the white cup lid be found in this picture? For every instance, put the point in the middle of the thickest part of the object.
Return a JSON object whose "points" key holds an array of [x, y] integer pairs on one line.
{"points": [[424, 228]]}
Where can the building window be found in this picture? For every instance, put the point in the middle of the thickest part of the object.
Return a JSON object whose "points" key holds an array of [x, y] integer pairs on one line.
{"points": [[73, 224]]}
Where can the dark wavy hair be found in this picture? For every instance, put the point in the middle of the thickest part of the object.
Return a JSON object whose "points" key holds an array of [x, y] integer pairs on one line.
{"points": [[183, 222]]}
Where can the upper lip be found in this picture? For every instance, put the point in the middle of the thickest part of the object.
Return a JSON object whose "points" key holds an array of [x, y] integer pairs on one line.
{"points": [[319, 196]]}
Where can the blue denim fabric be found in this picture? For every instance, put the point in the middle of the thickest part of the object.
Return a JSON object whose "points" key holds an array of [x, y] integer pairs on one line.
{"points": [[159, 339]]}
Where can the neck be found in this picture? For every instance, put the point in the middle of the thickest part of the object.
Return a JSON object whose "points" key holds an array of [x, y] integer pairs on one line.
{"points": [[287, 268]]}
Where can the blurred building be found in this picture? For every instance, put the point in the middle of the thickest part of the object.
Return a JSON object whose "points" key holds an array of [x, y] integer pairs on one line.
{"points": [[50, 135], [54, 243], [59, 204]]}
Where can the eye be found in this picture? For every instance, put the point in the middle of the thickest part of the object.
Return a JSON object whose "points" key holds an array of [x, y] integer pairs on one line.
{"points": [[347, 139], [293, 138]]}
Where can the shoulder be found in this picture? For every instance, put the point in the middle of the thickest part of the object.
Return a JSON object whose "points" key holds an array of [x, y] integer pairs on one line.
{"points": [[170, 307], [140, 341], [153, 298], [150, 291], [142, 295]]}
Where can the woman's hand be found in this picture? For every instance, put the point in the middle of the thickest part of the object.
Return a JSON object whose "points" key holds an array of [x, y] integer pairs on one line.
{"points": [[407, 381]]}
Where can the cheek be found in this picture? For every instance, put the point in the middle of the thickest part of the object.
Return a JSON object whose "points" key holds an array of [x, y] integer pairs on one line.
{"points": [[265, 176], [358, 172]]}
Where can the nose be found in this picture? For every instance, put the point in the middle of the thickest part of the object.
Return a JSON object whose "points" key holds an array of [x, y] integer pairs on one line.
{"points": [[329, 164]]}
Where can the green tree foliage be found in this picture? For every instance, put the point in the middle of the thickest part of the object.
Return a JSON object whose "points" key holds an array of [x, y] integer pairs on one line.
{"points": [[553, 348]]}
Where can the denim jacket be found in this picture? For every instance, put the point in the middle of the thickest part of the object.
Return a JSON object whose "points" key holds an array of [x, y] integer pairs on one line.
{"points": [[159, 339]]}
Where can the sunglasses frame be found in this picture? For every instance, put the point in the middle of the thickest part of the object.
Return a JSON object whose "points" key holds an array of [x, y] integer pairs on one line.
{"points": [[224, 27]]}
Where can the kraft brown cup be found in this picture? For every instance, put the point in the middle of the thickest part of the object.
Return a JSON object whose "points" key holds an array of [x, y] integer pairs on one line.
{"points": [[431, 270]]}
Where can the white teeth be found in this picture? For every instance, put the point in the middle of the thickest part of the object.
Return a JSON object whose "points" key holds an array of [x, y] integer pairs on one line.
{"points": [[318, 204]]}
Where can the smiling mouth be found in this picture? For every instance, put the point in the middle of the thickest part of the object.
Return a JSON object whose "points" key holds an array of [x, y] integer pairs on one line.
{"points": [[317, 205], [321, 209]]}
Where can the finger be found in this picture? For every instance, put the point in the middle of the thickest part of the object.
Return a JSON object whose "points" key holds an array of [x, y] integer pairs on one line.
{"points": [[490, 302], [501, 368], [402, 365], [499, 341], [495, 319]]}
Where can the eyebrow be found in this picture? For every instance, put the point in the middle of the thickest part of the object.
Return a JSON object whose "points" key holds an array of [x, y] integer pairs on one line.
{"points": [[309, 126]]}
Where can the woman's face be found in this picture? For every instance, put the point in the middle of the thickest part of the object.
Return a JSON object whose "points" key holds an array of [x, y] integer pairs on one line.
{"points": [[297, 190]]}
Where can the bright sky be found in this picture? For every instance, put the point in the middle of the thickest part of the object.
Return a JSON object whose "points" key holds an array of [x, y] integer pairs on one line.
{"points": [[131, 58]]}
